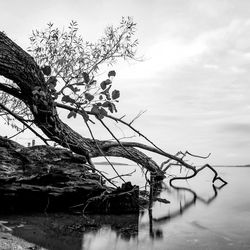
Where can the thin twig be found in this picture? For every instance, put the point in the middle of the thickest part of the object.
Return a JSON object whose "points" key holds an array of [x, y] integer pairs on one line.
{"points": [[128, 174], [11, 137], [24, 123], [137, 116], [198, 156], [90, 131], [112, 134]]}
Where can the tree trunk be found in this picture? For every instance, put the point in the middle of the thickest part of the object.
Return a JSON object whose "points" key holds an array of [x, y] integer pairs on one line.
{"points": [[21, 68], [43, 178]]}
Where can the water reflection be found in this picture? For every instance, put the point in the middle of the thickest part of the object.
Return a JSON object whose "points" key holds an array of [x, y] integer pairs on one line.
{"points": [[183, 198], [93, 232], [183, 206]]}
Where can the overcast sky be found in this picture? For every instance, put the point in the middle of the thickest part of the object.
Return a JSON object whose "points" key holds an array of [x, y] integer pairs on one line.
{"points": [[195, 79]]}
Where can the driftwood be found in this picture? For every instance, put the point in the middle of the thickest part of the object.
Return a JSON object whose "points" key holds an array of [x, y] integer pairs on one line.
{"points": [[45, 179]]}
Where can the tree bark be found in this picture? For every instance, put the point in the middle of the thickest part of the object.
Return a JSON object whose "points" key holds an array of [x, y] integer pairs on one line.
{"points": [[18, 66], [43, 178]]}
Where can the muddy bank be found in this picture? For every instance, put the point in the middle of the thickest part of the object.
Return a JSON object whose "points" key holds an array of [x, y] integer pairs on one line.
{"points": [[60, 231]]}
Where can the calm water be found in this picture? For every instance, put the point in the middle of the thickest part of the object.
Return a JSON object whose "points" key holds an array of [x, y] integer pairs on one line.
{"points": [[198, 218]]}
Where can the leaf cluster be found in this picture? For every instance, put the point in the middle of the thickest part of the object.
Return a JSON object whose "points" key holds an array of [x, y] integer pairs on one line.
{"points": [[65, 58]]}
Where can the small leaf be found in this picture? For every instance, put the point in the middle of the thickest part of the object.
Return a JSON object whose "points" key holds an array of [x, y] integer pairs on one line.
{"points": [[114, 107], [84, 115], [52, 80], [106, 104], [105, 83], [111, 73], [34, 92], [86, 77], [55, 37], [37, 88], [106, 92], [115, 94], [99, 111], [34, 108], [103, 112], [72, 113], [95, 109], [45, 103], [51, 86], [42, 93], [111, 107], [66, 98], [55, 95], [108, 82], [46, 70], [89, 97], [108, 96]]}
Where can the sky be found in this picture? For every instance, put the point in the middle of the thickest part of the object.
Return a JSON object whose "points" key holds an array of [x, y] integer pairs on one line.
{"points": [[194, 81]]}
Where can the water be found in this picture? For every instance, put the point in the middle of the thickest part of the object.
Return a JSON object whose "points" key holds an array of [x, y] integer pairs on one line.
{"points": [[201, 218]]}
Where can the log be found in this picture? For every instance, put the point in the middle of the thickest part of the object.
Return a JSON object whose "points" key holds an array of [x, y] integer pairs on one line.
{"points": [[47, 179]]}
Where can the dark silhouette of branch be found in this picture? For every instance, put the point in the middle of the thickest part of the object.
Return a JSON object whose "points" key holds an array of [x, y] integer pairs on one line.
{"points": [[155, 149]]}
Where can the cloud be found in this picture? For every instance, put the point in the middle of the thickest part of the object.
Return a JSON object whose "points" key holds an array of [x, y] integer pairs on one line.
{"points": [[236, 128], [165, 55], [227, 47]]}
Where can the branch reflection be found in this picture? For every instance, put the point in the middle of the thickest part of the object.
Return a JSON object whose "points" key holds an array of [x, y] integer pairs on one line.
{"points": [[154, 231]]}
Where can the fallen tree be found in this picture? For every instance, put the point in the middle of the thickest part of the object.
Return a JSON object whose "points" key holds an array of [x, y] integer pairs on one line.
{"points": [[45, 179], [62, 57]]}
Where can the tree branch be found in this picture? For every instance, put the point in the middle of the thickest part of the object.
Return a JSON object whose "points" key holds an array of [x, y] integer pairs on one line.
{"points": [[109, 144], [91, 133], [23, 122], [10, 90]]}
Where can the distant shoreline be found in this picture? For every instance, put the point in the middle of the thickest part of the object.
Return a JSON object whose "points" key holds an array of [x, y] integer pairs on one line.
{"points": [[231, 166], [215, 166]]}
